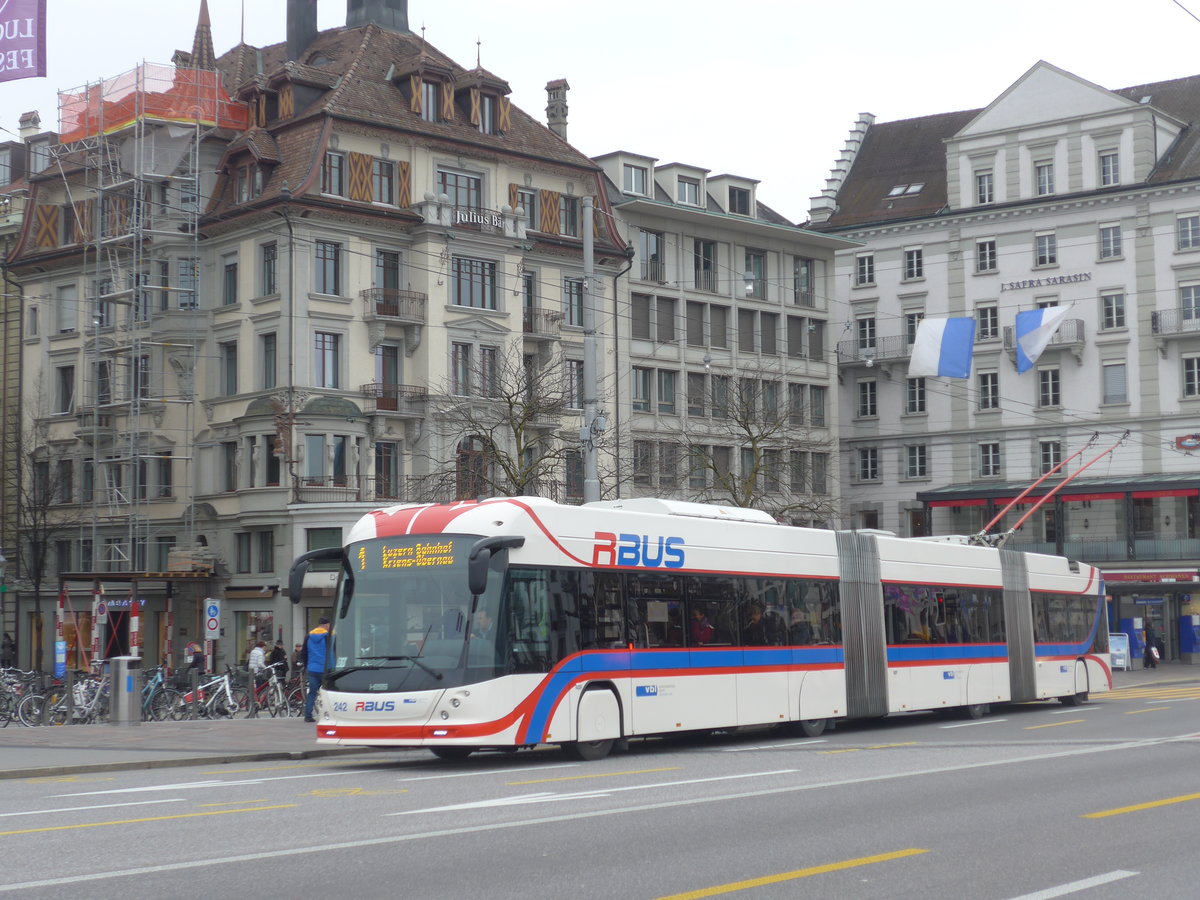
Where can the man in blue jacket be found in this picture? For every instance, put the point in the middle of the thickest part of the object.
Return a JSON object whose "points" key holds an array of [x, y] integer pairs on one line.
{"points": [[316, 655]]}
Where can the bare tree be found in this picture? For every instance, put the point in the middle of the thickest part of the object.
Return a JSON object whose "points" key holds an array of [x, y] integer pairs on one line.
{"points": [[503, 425], [750, 440]]}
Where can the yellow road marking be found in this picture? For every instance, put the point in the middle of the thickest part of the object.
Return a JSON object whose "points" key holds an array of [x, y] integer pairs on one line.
{"points": [[351, 792], [1153, 804], [63, 779], [791, 876], [272, 768], [234, 802], [1054, 724], [601, 775], [215, 812], [1134, 712], [886, 746], [847, 750]]}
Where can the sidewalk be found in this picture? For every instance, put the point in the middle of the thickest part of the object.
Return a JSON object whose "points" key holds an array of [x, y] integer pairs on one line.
{"points": [[69, 749]]}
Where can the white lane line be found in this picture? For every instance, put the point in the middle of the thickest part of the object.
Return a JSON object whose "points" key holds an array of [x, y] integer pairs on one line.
{"points": [[1076, 886], [1073, 711], [569, 817], [193, 785], [980, 722], [46, 812], [773, 746], [490, 772], [547, 796]]}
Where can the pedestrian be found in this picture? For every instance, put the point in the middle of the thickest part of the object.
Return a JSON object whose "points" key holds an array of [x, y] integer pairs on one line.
{"points": [[278, 659], [1152, 651], [8, 651], [257, 661], [316, 655], [298, 660]]}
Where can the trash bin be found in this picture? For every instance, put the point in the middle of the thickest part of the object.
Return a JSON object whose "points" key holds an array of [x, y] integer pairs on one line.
{"points": [[124, 705]]}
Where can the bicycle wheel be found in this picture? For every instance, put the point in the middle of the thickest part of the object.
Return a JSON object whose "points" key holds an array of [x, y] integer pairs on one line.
{"points": [[277, 704], [166, 704], [29, 710], [295, 701]]}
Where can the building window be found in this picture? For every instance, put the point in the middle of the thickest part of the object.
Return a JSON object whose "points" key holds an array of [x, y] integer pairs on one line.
{"points": [[1046, 249], [527, 199], [139, 387], [329, 267], [987, 323], [573, 387], [1049, 454], [270, 260], [229, 368], [326, 359], [1044, 173], [487, 114], [568, 216], [912, 323], [697, 394], [866, 332], [718, 326], [1187, 232], [705, 259], [464, 190], [650, 250], [747, 319], [985, 188], [189, 283], [573, 301], [1189, 301], [1110, 241], [1110, 169], [431, 100], [66, 308], [914, 395], [719, 393], [666, 391], [914, 263], [489, 372], [634, 179], [333, 171], [383, 181], [989, 460], [803, 281], [665, 323], [229, 466], [687, 190], [867, 398], [229, 279], [641, 389], [65, 400], [915, 461], [985, 256], [864, 269], [643, 454], [1112, 309], [989, 390], [1115, 383], [755, 277], [460, 369], [868, 464], [1191, 376], [1049, 388], [268, 349], [739, 201], [817, 397], [640, 307], [474, 283]]}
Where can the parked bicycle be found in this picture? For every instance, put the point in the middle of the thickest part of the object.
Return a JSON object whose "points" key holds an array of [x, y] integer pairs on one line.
{"points": [[269, 692], [219, 698], [160, 702], [14, 685], [87, 702]]}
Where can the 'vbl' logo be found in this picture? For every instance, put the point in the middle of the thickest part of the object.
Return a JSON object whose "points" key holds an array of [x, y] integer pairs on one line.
{"points": [[375, 706], [637, 550]]}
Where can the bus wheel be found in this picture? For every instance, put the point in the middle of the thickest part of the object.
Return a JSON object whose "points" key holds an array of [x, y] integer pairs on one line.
{"points": [[975, 710], [1074, 699], [452, 753], [813, 727], [589, 750]]}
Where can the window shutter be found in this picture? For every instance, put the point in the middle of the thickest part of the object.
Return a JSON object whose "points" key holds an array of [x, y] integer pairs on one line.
{"points": [[414, 94], [448, 102], [404, 185], [359, 165], [45, 227], [287, 102], [82, 232], [474, 106], [549, 211], [504, 119], [514, 196], [597, 219], [1114, 384]]}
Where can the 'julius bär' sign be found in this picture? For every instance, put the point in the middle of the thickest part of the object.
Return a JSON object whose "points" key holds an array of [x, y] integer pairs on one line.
{"points": [[22, 39]]}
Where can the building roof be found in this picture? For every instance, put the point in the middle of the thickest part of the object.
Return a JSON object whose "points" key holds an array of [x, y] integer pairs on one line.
{"points": [[912, 151]]}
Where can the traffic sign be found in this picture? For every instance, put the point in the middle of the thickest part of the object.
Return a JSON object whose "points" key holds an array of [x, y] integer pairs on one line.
{"points": [[212, 618]]}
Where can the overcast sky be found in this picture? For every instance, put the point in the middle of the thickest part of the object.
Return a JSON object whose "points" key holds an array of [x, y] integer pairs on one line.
{"points": [[766, 89]]}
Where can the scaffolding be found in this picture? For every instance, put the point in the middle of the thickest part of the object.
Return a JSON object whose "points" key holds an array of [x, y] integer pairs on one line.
{"points": [[137, 138]]}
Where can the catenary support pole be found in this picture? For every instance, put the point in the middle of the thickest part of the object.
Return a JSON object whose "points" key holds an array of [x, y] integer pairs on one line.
{"points": [[588, 433]]}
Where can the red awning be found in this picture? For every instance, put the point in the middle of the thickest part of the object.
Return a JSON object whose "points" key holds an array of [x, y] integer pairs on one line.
{"points": [[1076, 498], [958, 503], [1177, 492]]}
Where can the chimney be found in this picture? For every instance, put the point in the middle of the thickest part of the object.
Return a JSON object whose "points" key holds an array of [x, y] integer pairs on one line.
{"points": [[31, 125], [390, 14], [301, 26], [556, 106]]}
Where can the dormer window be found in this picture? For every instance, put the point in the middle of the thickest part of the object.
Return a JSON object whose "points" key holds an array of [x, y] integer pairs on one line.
{"points": [[431, 100], [688, 191], [39, 156], [249, 180], [487, 114], [333, 170], [739, 201], [634, 180]]}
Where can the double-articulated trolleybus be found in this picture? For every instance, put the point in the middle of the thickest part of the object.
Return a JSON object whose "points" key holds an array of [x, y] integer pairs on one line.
{"points": [[513, 622]]}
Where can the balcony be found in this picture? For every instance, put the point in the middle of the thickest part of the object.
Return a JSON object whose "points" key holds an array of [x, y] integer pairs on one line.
{"points": [[654, 270], [542, 324], [1173, 324], [403, 400], [395, 305], [349, 489], [1069, 336], [885, 349]]}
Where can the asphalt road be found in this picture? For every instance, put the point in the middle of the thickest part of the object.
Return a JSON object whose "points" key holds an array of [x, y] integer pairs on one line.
{"points": [[1033, 801]]}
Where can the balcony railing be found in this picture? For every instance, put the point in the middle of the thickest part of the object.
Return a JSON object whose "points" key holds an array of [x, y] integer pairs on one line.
{"points": [[706, 281], [1069, 336], [852, 352], [349, 489], [403, 399], [542, 322], [654, 270], [1167, 322], [407, 307]]}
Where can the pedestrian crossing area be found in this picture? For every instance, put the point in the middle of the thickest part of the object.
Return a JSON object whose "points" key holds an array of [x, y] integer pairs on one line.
{"points": [[1143, 692]]}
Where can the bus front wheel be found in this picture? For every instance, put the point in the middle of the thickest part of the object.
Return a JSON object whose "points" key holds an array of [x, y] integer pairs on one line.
{"points": [[588, 751]]}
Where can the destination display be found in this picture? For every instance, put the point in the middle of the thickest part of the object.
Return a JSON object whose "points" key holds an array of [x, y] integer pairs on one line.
{"points": [[419, 554]]}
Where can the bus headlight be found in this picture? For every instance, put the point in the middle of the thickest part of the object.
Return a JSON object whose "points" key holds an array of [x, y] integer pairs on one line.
{"points": [[445, 715], [456, 703]]}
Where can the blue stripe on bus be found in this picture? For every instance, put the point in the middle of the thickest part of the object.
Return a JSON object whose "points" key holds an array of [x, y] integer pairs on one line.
{"points": [[938, 652]]}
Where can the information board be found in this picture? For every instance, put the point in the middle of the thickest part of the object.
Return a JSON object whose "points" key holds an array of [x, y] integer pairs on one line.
{"points": [[1118, 650]]}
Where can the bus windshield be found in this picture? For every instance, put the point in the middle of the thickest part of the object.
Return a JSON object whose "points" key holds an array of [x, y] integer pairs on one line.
{"points": [[408, 622]]}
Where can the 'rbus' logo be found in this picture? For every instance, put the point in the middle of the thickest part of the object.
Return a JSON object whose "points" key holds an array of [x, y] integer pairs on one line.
{"points": [[637, 550]]}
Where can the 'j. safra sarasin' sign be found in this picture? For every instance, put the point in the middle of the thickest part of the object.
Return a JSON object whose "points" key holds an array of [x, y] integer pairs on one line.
{"points": [[22, 39]]}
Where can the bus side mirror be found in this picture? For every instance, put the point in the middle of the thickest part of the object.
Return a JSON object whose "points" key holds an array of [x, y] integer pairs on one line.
{"points": [[300, 568], [481, 556]]}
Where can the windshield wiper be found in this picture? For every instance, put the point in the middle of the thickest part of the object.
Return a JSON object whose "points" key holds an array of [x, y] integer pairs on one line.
{"points": [[434, 672]]}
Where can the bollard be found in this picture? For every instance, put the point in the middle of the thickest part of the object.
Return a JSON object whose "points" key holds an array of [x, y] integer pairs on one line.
{"points": [[194, 691], [69, 695], [123, 697]]}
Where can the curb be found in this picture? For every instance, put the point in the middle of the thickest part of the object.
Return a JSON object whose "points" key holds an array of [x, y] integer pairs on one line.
{"points": [[177, 762]]}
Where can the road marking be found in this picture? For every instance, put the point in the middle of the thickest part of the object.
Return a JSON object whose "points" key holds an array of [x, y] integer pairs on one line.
{"points": [[547, 797], [63, 779], [1053, 724], [215, 812], [1134, 712], [350, 792], [273, 768], [1138, 807], [489, 772], [393, 840], [1075, 886], [1072, 712], [888, 746], [193, 785], [774, 746], [600, 775], [39, 812], [233, 802], [793, 875], [979, 722], [846, 750]]}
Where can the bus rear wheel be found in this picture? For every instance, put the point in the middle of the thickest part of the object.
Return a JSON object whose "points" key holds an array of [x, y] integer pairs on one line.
{"points": [[976, 710], [452, 753], [589, 751], [1074, 699], [813, 727]]}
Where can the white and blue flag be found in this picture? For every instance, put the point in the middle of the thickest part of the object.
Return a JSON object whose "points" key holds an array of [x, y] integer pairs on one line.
{"points": [[943, 347], [1035, 328]]}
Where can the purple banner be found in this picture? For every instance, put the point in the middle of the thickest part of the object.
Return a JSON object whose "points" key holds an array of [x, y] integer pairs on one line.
{"points": [[22, 39]]}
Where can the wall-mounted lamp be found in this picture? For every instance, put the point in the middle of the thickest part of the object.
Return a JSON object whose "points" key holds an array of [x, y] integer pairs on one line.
{"points": [[1167, 521], [749, 279], [707, 362]]}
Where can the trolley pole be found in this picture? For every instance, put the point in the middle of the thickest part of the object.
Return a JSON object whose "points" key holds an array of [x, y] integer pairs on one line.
{"points": [[593, 424]]}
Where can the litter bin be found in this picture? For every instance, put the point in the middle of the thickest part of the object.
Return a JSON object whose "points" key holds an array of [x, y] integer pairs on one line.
{"points": [[124, 708]]}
